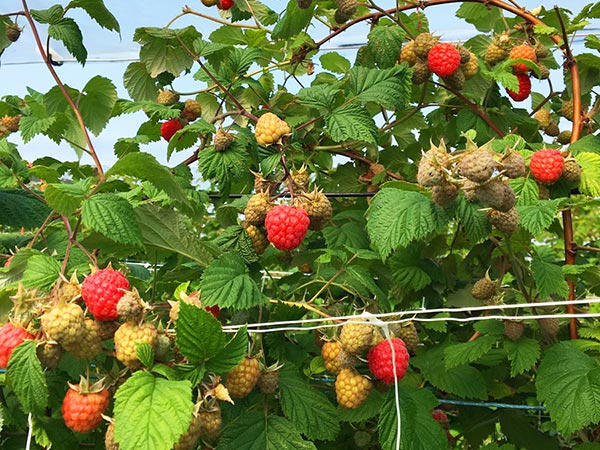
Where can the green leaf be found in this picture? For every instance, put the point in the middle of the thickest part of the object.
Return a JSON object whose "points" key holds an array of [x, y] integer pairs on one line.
{"points": [[199, 334], [547, 275], [419, 431], [166, 229], [232, 354], [321, 97], [467, 352], [65, 198], [308, 409], [536, 218], [397, 218], [257, 431], [389, 88], [145, 353], [522, 354], [151, 412], [26, 376], [97, 11], [50, 15], [568, 383], [20, 209], [225, 167], [67, 31], [370, 408], [474, 221], [385, 43], [464, 381], [351, 121], [41, 272], [334, 62], [113, 217], [96, 103], [227, 283], [294, 20], [522, 429], [527, 191], [139, 83], [162, 51], [30, 126], [590, 173], [409, 270], [145, 167]]}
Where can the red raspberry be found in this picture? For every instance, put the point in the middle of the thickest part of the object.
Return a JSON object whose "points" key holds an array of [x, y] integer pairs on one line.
{"points": [[225, 4], [380, 360], [522, 51], [440, 416], [286, 226], [443, 59], [214, 310], [101, 292], [83, 412], [11, 337], [547, 165], [524, 88], [169, 128]]}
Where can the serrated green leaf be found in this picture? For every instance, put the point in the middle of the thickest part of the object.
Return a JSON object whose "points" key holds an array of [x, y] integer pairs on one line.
{"points": [[370, 408], [321, 97], [257, 431], [467, 352], [139, 83], [151, 412], [389, 88], [522, 354], [145, 167], [96, 103], [145, 354], [464, 381], [418, 429], [351, 121], [112, 216], [308, 409], [590, 173], [50, 15], [536, 218], [65, 198], [97, 11], [526, 190], [225, 166], [30, 126], [19, 209], [408, 270], [548, 276], [474, 221], [26, 377], [568, 382], [41, 272], [165, 229], [67, 31], [227, 283], [199, 334], [523, 430], [385, 43], [334, 62], [294, 20], [396, 218], [232, 354]]}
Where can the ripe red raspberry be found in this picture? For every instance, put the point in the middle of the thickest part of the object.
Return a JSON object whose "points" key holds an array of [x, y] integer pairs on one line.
{"points": [[169, 128], [547, 165], [524, 88], [225, 4], [101, 292], [443, 59], [83, 412], [214, 310], [380, 360], [440, 416], [286, 226], [11, 337], [522, 51]]}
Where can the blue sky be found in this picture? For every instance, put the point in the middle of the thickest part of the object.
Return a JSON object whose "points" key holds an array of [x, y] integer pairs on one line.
{"points": [[109, 55]]}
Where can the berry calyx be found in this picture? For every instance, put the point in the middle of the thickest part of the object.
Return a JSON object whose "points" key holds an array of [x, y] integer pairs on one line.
{"points": [[11, 337], [443, 59], [524, 88], [169, 128], [101, 292], [547, 165], [381, 362], [82, 411], [286, 226]]}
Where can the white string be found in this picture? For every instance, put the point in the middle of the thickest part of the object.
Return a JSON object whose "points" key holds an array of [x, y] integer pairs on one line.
{"points": [[29, 432]]}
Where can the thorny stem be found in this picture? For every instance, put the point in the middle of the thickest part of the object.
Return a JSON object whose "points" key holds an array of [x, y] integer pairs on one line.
{"points": [[63, 90], [187, 10], [352, 155], [301, 305], [40, 230]]}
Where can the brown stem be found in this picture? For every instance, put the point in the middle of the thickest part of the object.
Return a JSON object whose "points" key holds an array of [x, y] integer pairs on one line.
{"points": [[363, 159], [39, 231], [585, 248], [61, 86]]}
